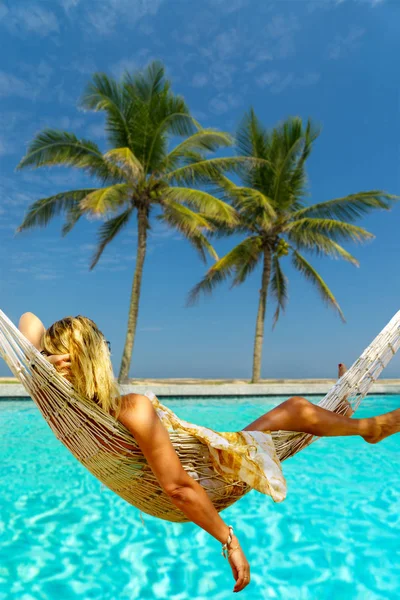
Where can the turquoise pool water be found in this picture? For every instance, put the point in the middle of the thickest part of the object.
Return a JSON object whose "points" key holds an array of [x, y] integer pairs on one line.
{"points": [[63, 536]]}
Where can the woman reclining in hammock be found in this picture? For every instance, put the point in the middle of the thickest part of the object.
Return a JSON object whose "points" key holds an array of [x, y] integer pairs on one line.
{"points": [[80, 352]]}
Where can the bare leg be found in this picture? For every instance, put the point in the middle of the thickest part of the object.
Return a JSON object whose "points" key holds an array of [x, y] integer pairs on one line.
{"points": [[298, 414], [344, 408]]}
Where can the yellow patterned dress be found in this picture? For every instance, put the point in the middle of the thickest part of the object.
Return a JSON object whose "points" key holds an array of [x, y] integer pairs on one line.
{"points": [[248, 456]]}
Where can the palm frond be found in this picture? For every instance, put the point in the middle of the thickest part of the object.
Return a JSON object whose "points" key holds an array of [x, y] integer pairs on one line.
{"points": [[190, 224], [320, 244], [302, 265], [251, 255], [298, 179], [142, 119], [189, 158], [205, 140], [283, 193], [205, 203], [177, 121], [148, 144], [278, 287], [255, 207], [224, 184], [176, 124], [337, 230], [251, 137], [253, 140], [72, 216], [108, 231], [147, 83], [349, 208], [292, 144], [240, 261], [42, 211], [174, 118], [156, 113], [208, 170], [105, 200], [127, 161], [103, 93], [52, 147], [221, 229], [202, 246]]}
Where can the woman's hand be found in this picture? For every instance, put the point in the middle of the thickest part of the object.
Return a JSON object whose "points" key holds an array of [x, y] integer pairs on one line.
{"points": [[239, 565], [62, 362]]}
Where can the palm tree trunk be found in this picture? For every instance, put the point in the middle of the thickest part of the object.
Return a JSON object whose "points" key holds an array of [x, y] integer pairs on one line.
{"points": [[135, 295], [259, 338]]}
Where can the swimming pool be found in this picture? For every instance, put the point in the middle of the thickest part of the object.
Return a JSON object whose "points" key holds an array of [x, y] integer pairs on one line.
{"points": [[63, 536]]}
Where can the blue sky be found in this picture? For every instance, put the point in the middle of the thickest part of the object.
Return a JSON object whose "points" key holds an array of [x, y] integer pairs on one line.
{"points": [[335, 61]]}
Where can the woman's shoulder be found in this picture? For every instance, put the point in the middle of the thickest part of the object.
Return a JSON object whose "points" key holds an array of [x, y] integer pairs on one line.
{"points": [[134, 401], [137, 410], [134, 397]]}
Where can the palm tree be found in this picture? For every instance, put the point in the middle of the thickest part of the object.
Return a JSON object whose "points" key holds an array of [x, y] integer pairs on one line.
{"points": [[139, 174], [277, 222]]}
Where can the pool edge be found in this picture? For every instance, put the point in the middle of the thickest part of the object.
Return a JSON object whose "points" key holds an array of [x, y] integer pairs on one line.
{"points": [[287, 388]]}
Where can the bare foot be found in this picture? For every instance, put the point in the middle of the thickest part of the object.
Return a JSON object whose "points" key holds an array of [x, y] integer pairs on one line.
{"points": [[345, 407], [383, 426]]}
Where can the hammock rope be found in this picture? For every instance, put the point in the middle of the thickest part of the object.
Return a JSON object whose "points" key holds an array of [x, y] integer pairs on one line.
{"points": [[109, 451]]}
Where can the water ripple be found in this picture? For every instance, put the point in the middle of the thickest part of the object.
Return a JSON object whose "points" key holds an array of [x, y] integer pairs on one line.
{"points": [[66, 537]]}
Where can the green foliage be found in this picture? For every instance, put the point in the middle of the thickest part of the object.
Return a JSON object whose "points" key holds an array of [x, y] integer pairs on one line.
{"points": [[272, 209], [302, 265], [108, 231], [139, 168], [238, 263], [279, 284], [42, 211]]}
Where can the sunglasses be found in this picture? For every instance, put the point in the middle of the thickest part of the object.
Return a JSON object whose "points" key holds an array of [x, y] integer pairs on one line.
{"points": [[109, 345]]}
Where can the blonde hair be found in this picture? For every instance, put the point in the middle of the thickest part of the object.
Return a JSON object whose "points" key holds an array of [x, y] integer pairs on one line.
{"points": [[91, 371]]}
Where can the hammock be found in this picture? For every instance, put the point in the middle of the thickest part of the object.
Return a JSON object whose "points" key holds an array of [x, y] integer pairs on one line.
{"points": [[109, 451]]}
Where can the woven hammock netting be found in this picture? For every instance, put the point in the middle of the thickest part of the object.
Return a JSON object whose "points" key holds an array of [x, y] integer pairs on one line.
{"points": [[109, 451]]}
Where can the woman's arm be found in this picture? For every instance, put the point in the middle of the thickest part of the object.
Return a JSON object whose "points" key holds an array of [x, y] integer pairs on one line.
{"points": [[139, 416], [32, 328]]}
